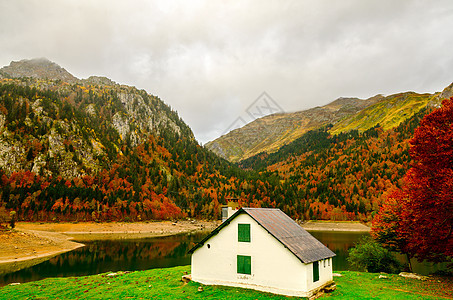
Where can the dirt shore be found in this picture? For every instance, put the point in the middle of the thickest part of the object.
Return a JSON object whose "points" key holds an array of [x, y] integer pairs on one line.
{"points": [[335, 226], [118, 230], [24, 248]]}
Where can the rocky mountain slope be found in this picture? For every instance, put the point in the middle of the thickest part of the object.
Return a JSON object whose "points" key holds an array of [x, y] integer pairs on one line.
{"points": [[270, 133], [93, 118], [91, 149]]}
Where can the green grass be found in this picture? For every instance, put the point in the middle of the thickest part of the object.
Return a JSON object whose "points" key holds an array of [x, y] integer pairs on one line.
{"points": [[151, 284], [166, 284], [358, 285]]}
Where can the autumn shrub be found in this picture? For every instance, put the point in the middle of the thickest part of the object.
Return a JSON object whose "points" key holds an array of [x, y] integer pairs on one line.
{"points": [[370, 256], [4, 218], [12, 221]]}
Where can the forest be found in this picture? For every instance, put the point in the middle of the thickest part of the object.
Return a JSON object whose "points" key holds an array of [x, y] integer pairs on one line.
{"points": [[161, 172]]}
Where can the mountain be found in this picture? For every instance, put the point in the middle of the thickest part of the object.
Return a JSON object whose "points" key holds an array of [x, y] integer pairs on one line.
{"points": [[38, 68], [339, 177], [96, 150], [91, 149], [81, 115], [344, 171], [270, 133]]}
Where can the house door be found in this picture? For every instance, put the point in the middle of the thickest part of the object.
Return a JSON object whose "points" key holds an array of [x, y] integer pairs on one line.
{"points": [[315, 271]]}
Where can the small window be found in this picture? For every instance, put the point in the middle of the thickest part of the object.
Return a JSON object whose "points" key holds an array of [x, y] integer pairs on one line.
{"points": [[244, 264], [243, 232], [328, 261], [315, 271]]}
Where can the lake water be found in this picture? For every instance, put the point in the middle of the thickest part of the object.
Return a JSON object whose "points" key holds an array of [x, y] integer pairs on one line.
{"points": [[130, 255]]}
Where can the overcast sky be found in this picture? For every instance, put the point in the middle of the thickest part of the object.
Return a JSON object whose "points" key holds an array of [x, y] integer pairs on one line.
{"points": [[210, 60]]}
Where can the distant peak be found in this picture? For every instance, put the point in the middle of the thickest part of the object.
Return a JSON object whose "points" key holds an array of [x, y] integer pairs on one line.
{"points": [[41, 68], [38, 60]]}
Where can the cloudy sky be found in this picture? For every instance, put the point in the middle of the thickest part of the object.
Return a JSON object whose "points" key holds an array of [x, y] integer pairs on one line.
{"points": [[210, 60]]}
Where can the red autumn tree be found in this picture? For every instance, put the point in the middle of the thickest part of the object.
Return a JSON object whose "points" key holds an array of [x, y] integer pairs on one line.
{"points": [[425, 204], [386, 225], [430, 186]]}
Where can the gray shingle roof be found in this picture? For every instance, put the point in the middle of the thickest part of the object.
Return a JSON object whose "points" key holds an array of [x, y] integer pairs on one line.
{"points": [[296, 239]]}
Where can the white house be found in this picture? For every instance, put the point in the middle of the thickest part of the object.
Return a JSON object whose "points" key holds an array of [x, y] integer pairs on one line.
{"points": [[263, 249]]}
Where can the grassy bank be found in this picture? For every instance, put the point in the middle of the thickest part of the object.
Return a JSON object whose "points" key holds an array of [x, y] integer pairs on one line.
{"points": [[166, 284]]}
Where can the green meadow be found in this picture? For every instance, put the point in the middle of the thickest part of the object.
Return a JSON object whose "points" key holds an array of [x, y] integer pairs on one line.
{"points": [[166, 284]]}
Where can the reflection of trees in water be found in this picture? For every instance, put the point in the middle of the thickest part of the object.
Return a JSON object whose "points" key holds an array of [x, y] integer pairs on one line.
{"points": [[339, 243], [123, 251]]}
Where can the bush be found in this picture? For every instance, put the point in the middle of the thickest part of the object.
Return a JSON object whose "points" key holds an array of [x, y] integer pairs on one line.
{"points": [[6, 217], [368, 255], [12, 221]]}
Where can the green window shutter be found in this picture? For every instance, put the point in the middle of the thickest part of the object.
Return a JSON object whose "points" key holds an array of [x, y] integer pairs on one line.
{"points": [[315, 271], [243, 232], [244, 264]]}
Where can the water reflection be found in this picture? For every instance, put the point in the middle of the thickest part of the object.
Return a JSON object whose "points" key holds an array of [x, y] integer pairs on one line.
{"points": [[339, 243]]}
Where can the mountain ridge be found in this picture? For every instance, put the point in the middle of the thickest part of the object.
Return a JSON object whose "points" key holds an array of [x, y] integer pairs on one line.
{"points": [[270, 133]]}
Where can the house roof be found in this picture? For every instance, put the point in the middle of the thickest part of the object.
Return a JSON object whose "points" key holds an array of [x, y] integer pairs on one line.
{"points": [[296, 239]]}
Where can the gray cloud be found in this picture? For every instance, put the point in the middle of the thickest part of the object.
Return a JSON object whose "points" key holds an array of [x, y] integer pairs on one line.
{"points": [[211, 59]]}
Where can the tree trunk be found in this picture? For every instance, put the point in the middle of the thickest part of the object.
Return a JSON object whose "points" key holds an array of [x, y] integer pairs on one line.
{"points": [[409, 262]]}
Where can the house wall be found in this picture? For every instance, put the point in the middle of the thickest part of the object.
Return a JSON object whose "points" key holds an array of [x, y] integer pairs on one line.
{"points": [[273, 267], [325, 274]]}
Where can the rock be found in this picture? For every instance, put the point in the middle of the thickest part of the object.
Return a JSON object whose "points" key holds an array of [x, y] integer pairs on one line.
{"points": [[383, 277], [446, 93], [99, 80], [200, 288], [15, 283], [112, 274], [186, 278], [330, 288], [337, 275], [412, 275]]}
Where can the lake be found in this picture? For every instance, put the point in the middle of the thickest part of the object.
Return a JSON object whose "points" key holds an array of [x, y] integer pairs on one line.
{"points": [[131, 255]]}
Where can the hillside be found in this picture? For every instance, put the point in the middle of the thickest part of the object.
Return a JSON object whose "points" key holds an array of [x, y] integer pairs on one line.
{"points": [[270, 133], [69, 129], [92, 149], [339, 177]]}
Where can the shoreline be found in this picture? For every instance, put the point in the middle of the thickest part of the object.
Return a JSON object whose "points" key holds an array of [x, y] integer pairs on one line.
{"points": [[15, 255], [340, 226], [32, 243], [88, 231]]}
